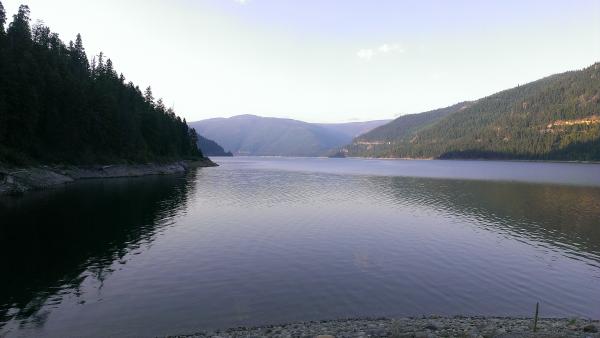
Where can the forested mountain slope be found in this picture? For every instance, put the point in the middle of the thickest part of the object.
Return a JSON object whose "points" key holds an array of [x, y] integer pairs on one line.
{"points": [[404, 127], [57, 107], [211, 148], [555, 118]]}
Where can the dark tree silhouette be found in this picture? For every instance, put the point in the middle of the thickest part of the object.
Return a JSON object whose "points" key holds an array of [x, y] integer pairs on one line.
{"points": [[2, 18], [57, 107]]}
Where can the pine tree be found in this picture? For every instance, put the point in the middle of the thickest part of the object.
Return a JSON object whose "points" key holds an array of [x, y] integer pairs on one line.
{"points": [[79, 57], [56, 107], [3, 61], [19, 30], [110, 71], [93, 66], [148, 96], [2, 18], [79, 46], [160, 106], [21, 96], [100, 65]]}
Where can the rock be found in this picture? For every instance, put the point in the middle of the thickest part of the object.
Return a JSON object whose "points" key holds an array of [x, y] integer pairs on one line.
{"points": [[377, 332], [475, 327], [431, 327], [42, 177]]}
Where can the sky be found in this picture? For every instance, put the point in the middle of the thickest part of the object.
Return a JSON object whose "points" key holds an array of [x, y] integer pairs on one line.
{"points": [[327, 60]]}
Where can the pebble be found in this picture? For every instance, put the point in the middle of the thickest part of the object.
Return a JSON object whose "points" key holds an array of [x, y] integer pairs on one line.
{"points": [[433, 327], [590, 328]]}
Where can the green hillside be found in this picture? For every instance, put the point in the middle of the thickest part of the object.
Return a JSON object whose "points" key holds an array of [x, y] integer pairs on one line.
{"points": [[555, 118], [211, 148], [402, 128]]}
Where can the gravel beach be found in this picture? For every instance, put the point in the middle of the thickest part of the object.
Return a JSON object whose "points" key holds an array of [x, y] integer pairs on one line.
{"points": [[417, 327]]}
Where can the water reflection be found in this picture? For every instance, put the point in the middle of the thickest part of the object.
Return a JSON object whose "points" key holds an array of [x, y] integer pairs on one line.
{"points": [[567, 217], [51, 241], [250, 243]]}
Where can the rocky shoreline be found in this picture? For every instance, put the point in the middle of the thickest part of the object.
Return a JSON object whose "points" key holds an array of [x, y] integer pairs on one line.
{"points": [[432, 326], [21, 180]]}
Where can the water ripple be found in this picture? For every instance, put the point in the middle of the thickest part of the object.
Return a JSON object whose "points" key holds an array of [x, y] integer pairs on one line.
{"points": [[259, 241]]}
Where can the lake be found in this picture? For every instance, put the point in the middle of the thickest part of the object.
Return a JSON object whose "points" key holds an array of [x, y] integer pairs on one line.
{"points": [[270, 240]]}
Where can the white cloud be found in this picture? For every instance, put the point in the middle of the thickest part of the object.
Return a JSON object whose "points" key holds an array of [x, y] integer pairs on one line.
{"points": [[386, 48], [366, 54], [241, 2]]}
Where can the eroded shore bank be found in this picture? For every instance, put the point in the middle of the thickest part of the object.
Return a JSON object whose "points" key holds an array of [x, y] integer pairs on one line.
{"points": [[21, 180], [417, 327]]}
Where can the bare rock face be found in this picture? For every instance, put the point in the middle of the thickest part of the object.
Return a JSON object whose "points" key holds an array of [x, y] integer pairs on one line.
{"points": [[22, 180], [114, 171], [40, 178]]}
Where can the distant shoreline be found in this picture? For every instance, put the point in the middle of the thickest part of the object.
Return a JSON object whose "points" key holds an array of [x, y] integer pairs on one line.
{"points": [[473, 159], [15, 181], [422, 159], [432, 326]]}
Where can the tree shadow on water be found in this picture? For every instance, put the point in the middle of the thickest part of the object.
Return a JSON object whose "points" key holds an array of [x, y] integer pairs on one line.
{"points": [[52, 241]]}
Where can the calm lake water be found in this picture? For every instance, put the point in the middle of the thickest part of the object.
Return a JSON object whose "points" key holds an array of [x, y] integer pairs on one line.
{"points": [[269, 240]]}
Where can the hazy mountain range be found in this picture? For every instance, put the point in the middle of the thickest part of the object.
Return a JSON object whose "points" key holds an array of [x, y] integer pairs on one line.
{"points": [[554, 118], [267, 136]]}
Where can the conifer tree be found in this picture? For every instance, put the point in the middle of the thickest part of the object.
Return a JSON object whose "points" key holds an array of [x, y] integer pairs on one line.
{"points": [[148, 96], [2, 18], [57, 107], [79, 57]]}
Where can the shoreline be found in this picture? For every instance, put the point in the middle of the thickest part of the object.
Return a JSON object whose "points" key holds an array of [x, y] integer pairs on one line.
{"points": [[432, 326], [15, 181], [423, 159], [471, 159]]}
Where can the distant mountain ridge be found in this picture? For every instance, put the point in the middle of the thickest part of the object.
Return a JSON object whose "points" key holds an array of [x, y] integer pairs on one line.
{"points": [[406, 126], [555, 118], [211, 148], [353, 129], [268, 136]]}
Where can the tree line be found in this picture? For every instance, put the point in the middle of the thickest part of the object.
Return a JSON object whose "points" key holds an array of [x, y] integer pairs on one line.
{"points": [[58, 106], [526, 122]]}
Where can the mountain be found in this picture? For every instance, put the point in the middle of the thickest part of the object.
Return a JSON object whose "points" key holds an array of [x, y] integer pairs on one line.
{"points": [[555, 118], [404, 127], [267, 136], [211, 148], [57, 107], [353, 129]]}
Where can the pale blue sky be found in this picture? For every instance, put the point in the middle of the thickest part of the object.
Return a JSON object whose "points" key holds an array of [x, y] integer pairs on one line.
{"points": [[328, 60]]}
